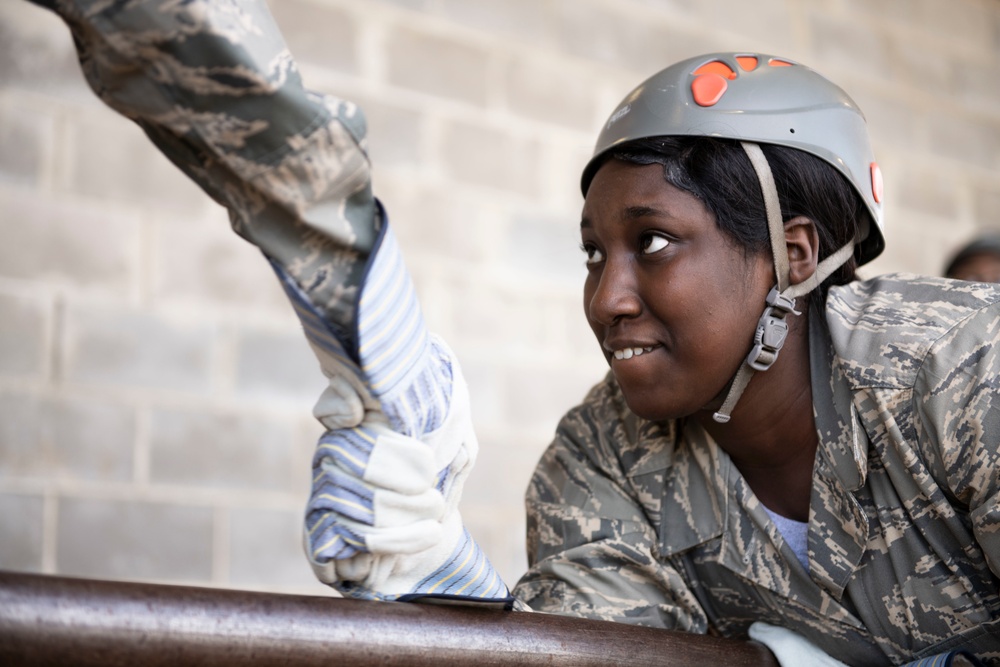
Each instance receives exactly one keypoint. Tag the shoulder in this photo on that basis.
(883, 329)
(605, 428)
(602, 435)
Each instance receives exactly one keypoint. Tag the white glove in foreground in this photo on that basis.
(791, 649)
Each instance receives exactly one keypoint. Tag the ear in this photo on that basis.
(802, 240)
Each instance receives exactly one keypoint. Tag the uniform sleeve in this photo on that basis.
(957, 401)
(216, 89)
(214, 86)
(591, 545)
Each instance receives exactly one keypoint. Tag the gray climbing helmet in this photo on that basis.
(754, 98)
(759, 99)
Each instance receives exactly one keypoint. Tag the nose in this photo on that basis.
(613, 294)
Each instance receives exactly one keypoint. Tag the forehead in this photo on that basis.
(620, 187)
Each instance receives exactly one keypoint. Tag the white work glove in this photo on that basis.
(383, 519)
(791, 649)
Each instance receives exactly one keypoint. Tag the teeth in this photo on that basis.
(630, 352)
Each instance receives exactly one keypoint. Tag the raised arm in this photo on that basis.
(215, 88)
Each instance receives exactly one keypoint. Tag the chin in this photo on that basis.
(653, 408)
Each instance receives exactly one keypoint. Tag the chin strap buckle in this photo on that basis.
(771, 330)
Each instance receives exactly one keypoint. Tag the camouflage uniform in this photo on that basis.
(652, 524)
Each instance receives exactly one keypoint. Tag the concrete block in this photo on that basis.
(485, 391)
(25, 140)
(550, 91)
(580, 343)
(266, 549)
(484, 314)
(972, 23)
(930, 192)
(564, 163)
(975, 86)
(120, 539)
(768, 25)
(278, 367)
(537, 396)
(394, 134)
(115, 346)
(23, 335)
(545, 247)
(227, 450)
(408, 4)
(851, 45)
(891, 122)
(525, 21)
(36, 51)
(597, 32)
(64, 241)
(967, 139)
(20, 417)
(318, 34)
(915, 69)
(986, 207)
(208, 262)
(112, 159)
(490, 157)
(21, 532)
(437, 65)
(65, 438)
(487, 487)
(448, 222)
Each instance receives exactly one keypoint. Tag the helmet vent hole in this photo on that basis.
(792, 130)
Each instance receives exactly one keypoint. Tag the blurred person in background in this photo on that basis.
(978, 261)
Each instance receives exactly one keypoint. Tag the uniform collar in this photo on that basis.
(706, 497)
(838, 528)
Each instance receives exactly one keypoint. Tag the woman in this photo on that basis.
(773, 443)
(851, 493)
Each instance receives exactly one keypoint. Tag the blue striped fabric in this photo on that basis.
(329, 539)
(467, 572)
(410, 375)
(946, 660)
(405, 368)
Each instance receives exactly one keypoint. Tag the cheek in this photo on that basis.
(588, 295)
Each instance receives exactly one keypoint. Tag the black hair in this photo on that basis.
(719, 173)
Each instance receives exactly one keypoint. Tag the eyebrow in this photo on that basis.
(633, 213)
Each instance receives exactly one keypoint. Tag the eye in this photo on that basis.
(594, 256)
(651, 243)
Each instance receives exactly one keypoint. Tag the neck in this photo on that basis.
(771, 437)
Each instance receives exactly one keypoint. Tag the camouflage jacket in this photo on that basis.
(652, 524)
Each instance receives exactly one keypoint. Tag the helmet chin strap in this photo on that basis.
(772, 328)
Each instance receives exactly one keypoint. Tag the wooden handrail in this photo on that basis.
(47, 620)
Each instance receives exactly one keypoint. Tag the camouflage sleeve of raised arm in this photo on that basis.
(216, 89)
(957, 401)
(591, 541)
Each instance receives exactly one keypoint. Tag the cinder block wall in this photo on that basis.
(155, 393)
